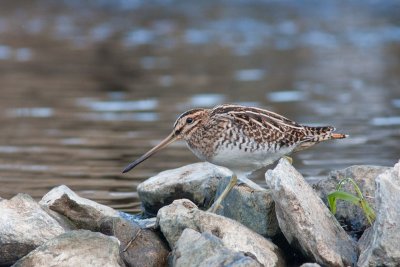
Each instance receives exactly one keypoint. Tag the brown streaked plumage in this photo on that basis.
(241, 138)
(212, 134)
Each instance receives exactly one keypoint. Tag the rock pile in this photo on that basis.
(64, 229)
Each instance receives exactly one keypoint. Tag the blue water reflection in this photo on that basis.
(195, 36)
(139, 37)
(385, 121)
(39, 112)
(396, 103)
(5, 52)
(249, 75)
(286, 96)
(23, 54)
(111, 116)
(18, 149)
(206, 100)
(115, 106)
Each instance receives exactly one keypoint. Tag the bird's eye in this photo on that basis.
(189, 120)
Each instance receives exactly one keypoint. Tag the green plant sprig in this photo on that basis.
(358, 200)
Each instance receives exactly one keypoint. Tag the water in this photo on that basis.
(87, 88)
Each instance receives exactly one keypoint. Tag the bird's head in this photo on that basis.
(188, 122)
(184, 127)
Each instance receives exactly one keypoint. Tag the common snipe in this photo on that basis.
(240, 138)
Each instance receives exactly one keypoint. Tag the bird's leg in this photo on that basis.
(290, 159)
(249, 183)
(226, 191)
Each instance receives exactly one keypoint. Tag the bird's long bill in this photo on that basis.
(170, 138)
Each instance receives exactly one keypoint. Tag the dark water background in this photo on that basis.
(88, 86)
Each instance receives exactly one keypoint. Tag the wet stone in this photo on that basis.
(81, 212)
(380, 244)
(205, 249)
(139, 247)
(181, 214)
(252, 208)
(24, 225)
(305, 221)
(75, 248)
(197, 182)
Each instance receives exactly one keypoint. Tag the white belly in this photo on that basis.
(245, 161)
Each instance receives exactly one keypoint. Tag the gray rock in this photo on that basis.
(348, 213)
(305, 221)
(82, 212)
(182, 214)
(197, 182)
(380, 245)
(252, 208)
(310, 265)
(61, 219)
(139, 247)
(203, 250)
(75, 248)
(364, 240)
(24, 225)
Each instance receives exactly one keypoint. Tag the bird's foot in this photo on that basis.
(290, 159)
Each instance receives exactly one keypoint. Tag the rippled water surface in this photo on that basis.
(87, 88)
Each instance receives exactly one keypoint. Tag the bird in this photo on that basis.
(240, 138)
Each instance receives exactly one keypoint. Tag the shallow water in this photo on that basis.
(87, 88)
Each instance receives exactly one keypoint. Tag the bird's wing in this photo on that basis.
(251, 115)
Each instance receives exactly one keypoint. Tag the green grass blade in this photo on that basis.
(358, 200)
(346, 197)
(332, 203)
(368, 211)
(334, 196)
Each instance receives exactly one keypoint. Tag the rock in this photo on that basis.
(139, 247)
(380, 245)
(252, 208)
(195, 249)
(364, 240)
(61, 219)
(351, 215)
(197, 182)
(75, 248)
(24, 225)
(183, 213)
(310, 265)
(82, 212)
(305, 221)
